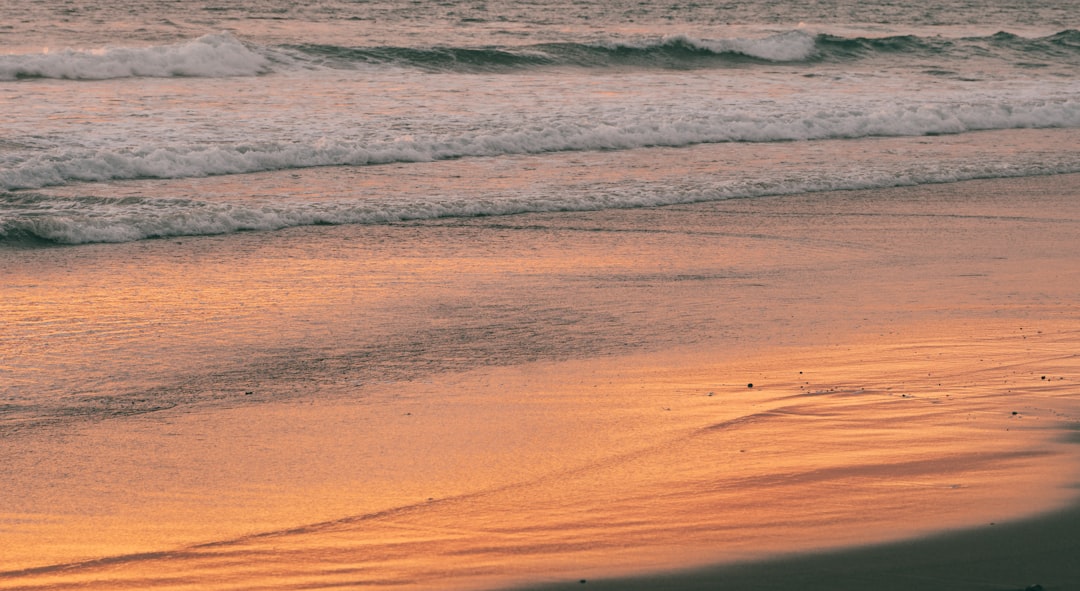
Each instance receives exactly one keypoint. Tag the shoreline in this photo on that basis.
(842, 502)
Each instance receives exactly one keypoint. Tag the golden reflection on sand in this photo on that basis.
(465, 404)
(567, 470)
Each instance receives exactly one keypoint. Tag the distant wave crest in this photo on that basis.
(676, 51)
(218, 55)
(686, 52)
(222, 55)
(1061, 45)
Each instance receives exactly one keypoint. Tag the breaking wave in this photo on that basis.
(679, 51)
(221, 55)
(213, 56)
(30, 219)
(60, 166)
(684, 52)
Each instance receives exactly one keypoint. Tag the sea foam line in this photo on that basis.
(80, 220)
(61, 166)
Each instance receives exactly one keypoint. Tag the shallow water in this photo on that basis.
(489, 401)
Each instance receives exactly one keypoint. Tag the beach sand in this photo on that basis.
(1040, 553)
(850, 390)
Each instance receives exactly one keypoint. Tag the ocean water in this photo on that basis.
(262, 280)
(147, 119)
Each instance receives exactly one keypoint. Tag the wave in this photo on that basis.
(32, 220)
(219, 55)
(678, 51)
(61, 166)
(1061, 45)
(684, 52)
(222, 55)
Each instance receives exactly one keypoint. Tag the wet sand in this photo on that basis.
(1038, 553)
(545, 398)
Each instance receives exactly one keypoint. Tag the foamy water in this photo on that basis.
(224, 92)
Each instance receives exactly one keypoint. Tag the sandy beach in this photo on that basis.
(846, 390)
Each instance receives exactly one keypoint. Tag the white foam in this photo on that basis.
(65, 165)
(83, 220)
(217, 55)
(792, 46)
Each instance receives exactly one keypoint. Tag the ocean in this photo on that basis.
(134, 121)
(351, 293)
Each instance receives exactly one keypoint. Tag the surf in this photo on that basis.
(86, 213)
(209, 56)
(65, 165)
(224, 55)
(684, 52)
